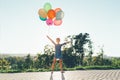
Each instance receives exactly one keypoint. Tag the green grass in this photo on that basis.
(96, 67)
(10, 71)
(66, 69)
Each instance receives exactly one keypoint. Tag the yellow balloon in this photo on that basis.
(42, 13)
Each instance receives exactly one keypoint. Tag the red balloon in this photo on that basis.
(57, 9)
(57, 22)
(51, 14)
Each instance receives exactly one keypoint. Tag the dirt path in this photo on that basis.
(69, 75)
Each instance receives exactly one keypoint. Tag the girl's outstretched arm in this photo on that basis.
(66, 42)
(51, 40)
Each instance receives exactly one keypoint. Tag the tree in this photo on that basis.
(4, 64)
(13, 62)
(48, 55)
(0, 64)
(20, 63)
(28, 62)
(48, 49)
(69, 57)
(36, 61)
(116, 61)
(80, 41)
(99, 60)
(90, 53)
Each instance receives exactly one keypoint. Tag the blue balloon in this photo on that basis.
(43, 19)
(59, 15)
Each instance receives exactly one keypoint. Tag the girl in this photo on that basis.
(58, 54)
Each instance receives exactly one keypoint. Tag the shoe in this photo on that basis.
(62, 71)
(51, 72)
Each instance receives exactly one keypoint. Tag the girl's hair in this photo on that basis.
(57, 39)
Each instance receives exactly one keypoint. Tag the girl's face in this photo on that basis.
(57, 40)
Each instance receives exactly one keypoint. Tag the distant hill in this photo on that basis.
(2, 55)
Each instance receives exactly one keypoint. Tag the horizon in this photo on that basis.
(25, 54)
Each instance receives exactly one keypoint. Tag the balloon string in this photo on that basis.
(48, 30)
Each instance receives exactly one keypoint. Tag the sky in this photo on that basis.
(21, 30)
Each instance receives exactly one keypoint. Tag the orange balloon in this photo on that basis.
(51, 14)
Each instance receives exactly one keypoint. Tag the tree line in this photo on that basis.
(78, 53)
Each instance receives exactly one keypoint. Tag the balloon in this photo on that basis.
(57, 22)
(42, 13)
(59, 15)
(57, 9)
(49, 22)
(43, 19)
(51, 14)
(47, 6)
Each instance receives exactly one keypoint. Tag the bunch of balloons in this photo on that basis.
(51, 16)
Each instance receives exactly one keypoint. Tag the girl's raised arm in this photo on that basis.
(51, 40)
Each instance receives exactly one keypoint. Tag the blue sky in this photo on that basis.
(21, 31)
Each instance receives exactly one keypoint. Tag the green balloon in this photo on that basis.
(47, 6)
(43, 19)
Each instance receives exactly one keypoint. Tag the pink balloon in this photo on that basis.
(57, 22)
(49, 22)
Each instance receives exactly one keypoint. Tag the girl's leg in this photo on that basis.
(53, 64)
(60, 62)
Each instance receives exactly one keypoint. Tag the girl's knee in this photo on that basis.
(54, 61)
(60, 61)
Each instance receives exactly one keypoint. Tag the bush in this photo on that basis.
(14, 71)
(42, 70)
(69, 69)
(96, 67)
(79, 68)
(10, 71)
(29, 70)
